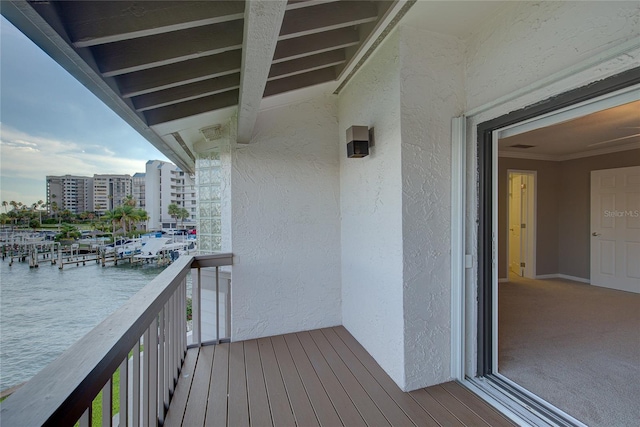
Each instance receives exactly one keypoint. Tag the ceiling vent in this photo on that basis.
(212, 133)
(523, 146)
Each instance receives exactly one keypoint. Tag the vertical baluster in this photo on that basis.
(196, 307)
(85, 419)
(124, 392)
(135, 406)
(170, 344)
(153, 372)
(227, 324)
(162, 387)
(174, 337)
(145, 378)
(217, 309)
(107, 403)
(182, 312)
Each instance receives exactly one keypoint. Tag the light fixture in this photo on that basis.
(358, 141)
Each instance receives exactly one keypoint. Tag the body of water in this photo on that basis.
(44, 310)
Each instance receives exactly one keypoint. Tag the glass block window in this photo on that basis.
(208, 207)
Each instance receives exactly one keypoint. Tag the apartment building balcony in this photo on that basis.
(168, 377)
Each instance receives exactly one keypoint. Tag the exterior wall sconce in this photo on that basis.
(358, 138)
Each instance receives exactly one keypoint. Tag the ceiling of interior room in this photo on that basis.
(613, 129)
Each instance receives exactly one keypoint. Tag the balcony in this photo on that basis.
(170, 377)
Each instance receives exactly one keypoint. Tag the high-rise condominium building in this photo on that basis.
(139, 186)
(167, 184)
(70, 192)
(110, 191)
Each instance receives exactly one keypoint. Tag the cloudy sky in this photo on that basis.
(52, 125)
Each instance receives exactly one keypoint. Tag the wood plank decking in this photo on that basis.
(317, 378)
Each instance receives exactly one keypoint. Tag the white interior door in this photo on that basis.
(615, 228)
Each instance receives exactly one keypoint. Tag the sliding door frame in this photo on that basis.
(487, 228)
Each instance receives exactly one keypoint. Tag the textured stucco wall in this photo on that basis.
(432, 92)
(532, 40)
(370, 201)
(285, 227)
(507, 55)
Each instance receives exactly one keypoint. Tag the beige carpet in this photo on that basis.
(575, 345)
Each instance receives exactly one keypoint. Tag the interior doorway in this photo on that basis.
(521, 220)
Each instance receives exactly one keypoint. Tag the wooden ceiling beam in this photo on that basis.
(174, 75)
(298, 4)
(299, 81)
(186, 92)
(306, 64)
(300, 47)
(263, 20)
(98, 22)
(326, 17)
(191, 108)
(169, 48)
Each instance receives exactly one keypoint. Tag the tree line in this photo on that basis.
(123, 218)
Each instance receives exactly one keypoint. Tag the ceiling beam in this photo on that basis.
(263, 19)
(298, 4)
(191, 108)
(306, 64)
(139, 54)
(93, 23)
(325, 17)
(299, 81)
(300, 47)
(181, 73)
(186, 92)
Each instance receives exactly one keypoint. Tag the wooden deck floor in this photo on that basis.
(317, 378)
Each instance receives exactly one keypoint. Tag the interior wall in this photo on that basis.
(371, 211)
(432, 92)
(574, 222)
(286, 222)
(563, 210)
(548, 194)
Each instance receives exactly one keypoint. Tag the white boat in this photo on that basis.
(165, 248)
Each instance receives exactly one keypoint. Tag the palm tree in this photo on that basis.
(4, 205)
(114, 216)
(129, 201)
(174, 211)
(143, 216)
(183, 214)
(128, 215)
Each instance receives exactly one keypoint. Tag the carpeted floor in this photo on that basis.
(575, 345)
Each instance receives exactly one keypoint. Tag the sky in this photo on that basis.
(50, 124)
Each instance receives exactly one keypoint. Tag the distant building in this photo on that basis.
(110, 191)
(70, 192)
(166, 184)
(139, 186)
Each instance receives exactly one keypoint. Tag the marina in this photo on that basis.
(45, 310)
(149, 248)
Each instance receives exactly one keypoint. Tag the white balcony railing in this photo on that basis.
(146, 340)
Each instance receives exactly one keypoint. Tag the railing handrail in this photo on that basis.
(61, 392)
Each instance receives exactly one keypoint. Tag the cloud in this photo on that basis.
(35, 157)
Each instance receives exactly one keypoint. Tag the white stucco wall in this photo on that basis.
(528, 41)
(508, 56)
(370, 201)
(285, 223)
(432, 92)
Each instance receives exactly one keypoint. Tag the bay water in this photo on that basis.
(44, 310)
